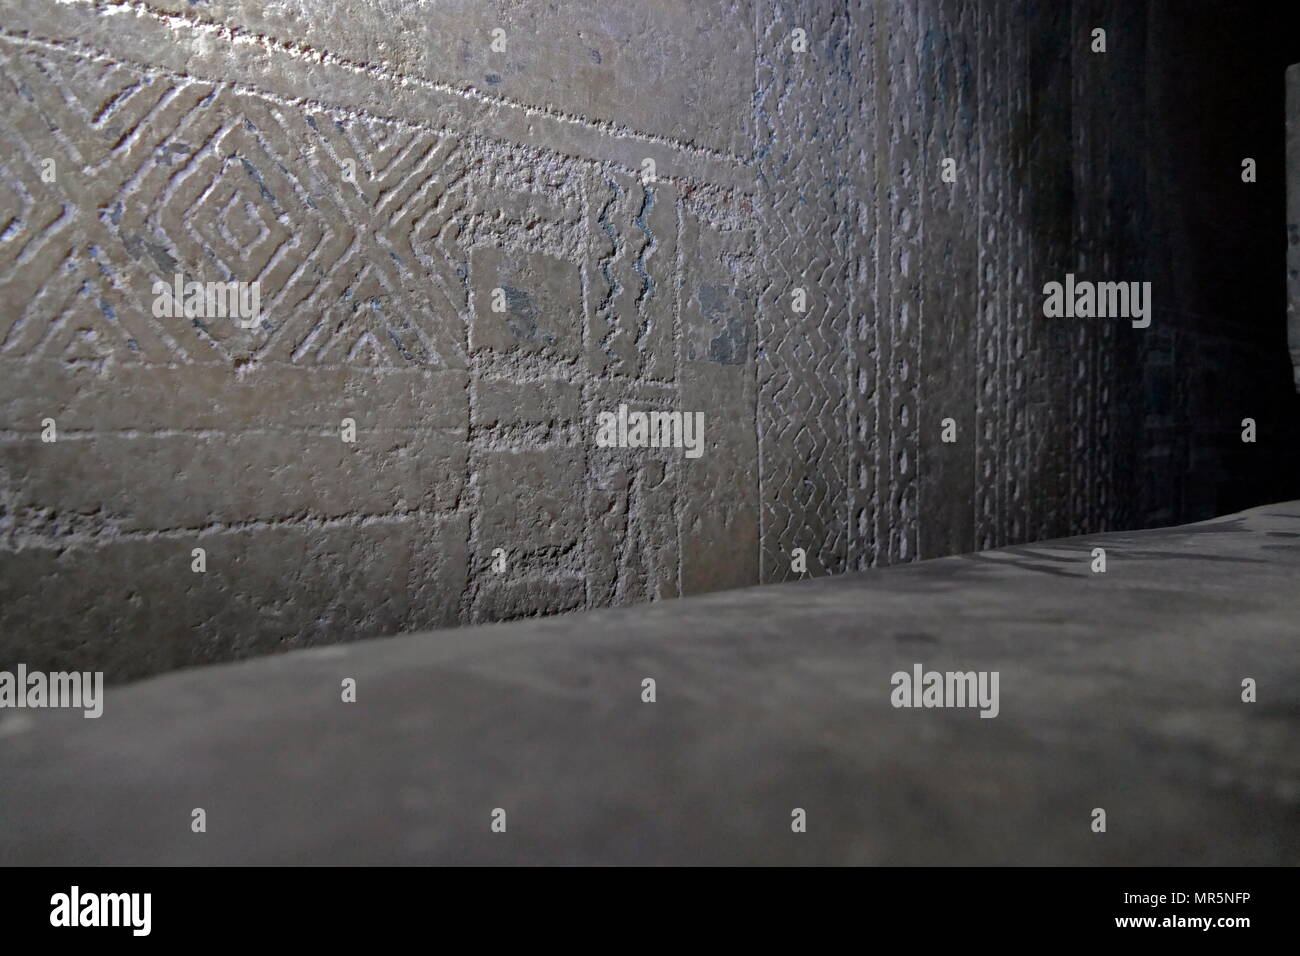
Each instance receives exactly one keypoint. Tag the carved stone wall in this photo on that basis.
(382, 169)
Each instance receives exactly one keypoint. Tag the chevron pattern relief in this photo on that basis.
(463, 259)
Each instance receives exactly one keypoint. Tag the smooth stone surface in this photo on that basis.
(1119, 690)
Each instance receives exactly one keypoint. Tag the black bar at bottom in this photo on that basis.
(334, 905)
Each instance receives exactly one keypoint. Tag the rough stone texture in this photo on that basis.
(1120, 690)
(217, 140)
